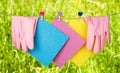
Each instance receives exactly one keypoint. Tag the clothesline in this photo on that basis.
(64, 18)
(77, 18)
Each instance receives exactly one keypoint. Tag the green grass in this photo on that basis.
(12, 60)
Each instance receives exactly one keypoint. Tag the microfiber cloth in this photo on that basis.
(83, 54)
(48, 41)
(74, 43)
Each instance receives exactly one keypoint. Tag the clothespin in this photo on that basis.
(59, 16)
(80, 14)
(42, 15)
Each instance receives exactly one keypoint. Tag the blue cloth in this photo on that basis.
(48, 41)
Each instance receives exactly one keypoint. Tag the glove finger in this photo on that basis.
(17, 31)
(90, 34)
(107, 28)
(24, 45)
(102, 41)
(97, 44)
(18, 41)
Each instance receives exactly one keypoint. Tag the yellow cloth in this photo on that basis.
(83, 54)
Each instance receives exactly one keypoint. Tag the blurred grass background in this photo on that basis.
(14, 61)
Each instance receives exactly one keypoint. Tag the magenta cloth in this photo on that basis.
(74, 43)
(98, 29)
(23, 30)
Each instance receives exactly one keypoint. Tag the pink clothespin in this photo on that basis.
(42, 15)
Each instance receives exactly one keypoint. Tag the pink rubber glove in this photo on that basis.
(98, 29)
(23, 30)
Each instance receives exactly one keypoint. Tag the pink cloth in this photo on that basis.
(23, 30)
(74, 43)
(98, 29)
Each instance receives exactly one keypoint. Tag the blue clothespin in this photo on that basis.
(80, 14)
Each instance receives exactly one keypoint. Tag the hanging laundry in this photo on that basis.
(23, 29)
(74, 43)
(83, 54)
(48, 42)
(98, 29)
